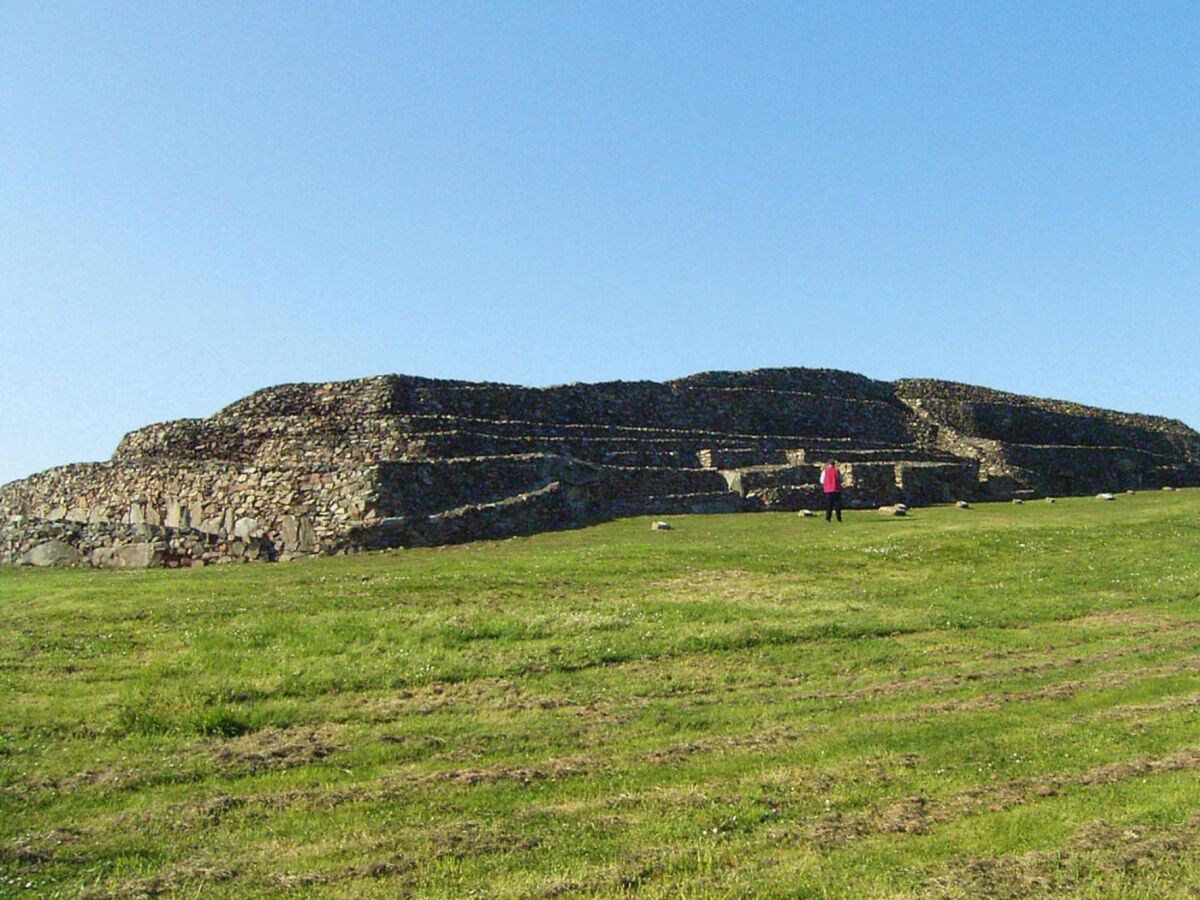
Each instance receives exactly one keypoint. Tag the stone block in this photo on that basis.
(52, 553)
(145, 555)
(178, 515)
(245, 528)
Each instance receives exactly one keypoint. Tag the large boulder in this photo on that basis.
(139, 556)
(245, 528)
(52, 553)
(298, 536)
(178, 515)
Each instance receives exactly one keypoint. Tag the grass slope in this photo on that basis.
(1001, 700)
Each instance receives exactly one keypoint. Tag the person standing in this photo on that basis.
(831, 484)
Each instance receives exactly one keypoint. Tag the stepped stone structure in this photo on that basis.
(307, 469)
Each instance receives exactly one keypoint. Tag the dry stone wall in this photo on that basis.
(210, 497)
(304, 469)
(41, 542)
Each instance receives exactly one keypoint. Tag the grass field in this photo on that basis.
(999, 701)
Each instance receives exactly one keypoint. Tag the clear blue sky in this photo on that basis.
(201, 199)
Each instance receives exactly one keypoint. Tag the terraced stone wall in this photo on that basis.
(1051, 446)
(1014, 419)
(385, 461)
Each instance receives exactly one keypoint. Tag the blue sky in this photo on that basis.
(198, 200)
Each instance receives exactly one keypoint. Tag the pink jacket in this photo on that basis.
(831, 480)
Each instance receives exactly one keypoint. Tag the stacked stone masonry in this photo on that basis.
(309, 469)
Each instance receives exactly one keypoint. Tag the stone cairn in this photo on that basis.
(313, 469)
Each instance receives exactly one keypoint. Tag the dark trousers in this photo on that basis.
(833, 501)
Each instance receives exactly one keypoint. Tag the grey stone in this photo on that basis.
(177, 516)
(53, 553)
(77, 514)
(245, 527)
(296, 532)
(306, 537)
(288, 531)
(146, 555)
(102, 557)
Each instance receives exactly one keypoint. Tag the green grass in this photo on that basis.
(999, 701)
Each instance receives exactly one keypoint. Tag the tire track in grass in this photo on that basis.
(512, 694)
(277, 749)
(1066, 690)
(1138, 710)
(427, 698)
(919, 814)
(1096, 853)
(1120, 621)
(957, 679)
